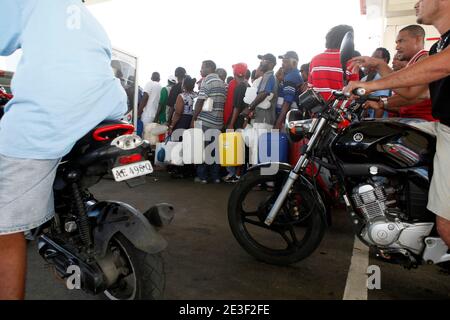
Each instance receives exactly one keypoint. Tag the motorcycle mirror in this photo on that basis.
(347, 51)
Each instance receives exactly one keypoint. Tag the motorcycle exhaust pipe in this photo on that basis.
(92, 277)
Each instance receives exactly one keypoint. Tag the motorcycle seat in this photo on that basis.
(102, 134)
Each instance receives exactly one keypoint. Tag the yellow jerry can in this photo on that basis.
(231, 149)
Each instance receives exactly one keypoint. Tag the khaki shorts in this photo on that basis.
(439, 196)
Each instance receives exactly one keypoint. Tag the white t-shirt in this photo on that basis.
(153, 89)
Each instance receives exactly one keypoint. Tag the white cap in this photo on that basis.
(172, 79)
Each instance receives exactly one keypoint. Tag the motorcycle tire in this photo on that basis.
(148, 270)
(315, 224)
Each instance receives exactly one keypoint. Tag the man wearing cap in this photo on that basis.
(289, 86)
(236, 121)
(239, 71)
(228, 109)
(162, 114)
(265, 118)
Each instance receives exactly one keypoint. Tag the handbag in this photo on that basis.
(266, 104)
(207, 105)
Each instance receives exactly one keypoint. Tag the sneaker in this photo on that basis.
(227, 178)
(234, 179)
(198, 180)
(217, 181)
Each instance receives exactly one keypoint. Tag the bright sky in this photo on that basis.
(165, 34)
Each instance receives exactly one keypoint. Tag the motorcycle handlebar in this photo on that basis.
(360, 92)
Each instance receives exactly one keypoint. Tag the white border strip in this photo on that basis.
(356, 286)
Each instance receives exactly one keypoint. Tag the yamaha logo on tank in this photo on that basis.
(358, 137)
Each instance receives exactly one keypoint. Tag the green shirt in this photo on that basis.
(163, 102)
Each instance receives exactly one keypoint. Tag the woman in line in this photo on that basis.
(181, 120)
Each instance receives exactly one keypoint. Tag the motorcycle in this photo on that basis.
(115, 248)
(383, 169)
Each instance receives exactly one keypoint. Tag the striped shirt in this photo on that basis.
(213, 87)
(326, 73)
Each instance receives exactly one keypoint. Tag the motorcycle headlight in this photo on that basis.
(311, 101)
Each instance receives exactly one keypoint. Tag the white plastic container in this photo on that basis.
(152, 131)
(173, 153)
(193, 146)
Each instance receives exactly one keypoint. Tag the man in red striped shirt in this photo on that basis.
(326, 73)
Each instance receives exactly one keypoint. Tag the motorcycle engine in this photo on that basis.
(372, 201)
(376, 202)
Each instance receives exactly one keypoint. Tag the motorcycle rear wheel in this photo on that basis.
(269, 248)
(145, 279)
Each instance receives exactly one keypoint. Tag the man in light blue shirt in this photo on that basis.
(63, 87)
(383, 54)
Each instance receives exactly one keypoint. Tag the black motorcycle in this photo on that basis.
(383, 169)
(115, 248)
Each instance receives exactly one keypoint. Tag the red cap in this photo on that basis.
(240, 69)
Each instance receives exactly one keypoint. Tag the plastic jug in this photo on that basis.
(231, 149)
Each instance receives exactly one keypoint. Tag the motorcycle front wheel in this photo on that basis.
(296, 232)
(142, 274)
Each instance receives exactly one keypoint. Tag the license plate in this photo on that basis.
(131, 171)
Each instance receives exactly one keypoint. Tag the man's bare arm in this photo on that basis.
(142, 105)
(415, 92)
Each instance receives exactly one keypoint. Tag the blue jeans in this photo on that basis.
(205, 171)
(140, 128)
(232, 170)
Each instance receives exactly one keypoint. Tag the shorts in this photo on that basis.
(26, 193)
(439, 195)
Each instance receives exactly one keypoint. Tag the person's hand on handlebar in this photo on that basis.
(351, 88)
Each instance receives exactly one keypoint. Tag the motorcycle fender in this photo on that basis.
(301, 182)
(117, 217)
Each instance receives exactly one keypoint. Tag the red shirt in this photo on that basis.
(228, 108)
(421, 110)
(326, 75)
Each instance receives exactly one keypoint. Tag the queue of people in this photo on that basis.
(262, 98)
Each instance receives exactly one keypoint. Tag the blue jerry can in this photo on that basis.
(273, 147)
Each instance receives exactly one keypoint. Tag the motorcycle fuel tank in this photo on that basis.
(390, 142)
